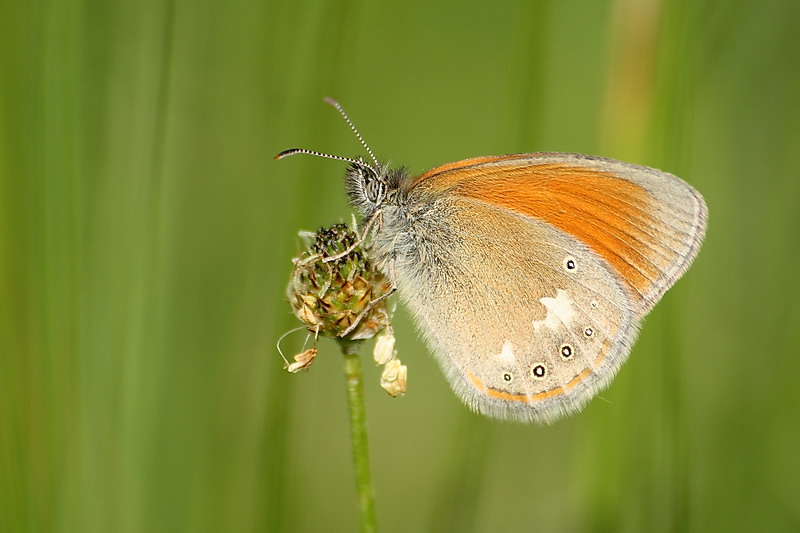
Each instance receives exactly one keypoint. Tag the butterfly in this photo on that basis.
(528, 275)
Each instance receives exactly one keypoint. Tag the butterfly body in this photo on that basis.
(528, 274)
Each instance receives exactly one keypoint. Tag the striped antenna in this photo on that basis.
(360, 162)
(338, 107)
(292, 151)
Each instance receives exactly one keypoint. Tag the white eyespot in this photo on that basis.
(539, 371)
(508, 377)
(570, 263)
(566, 351)
(594, 304)
(588, 332)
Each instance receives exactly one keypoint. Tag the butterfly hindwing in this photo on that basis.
(526, 322)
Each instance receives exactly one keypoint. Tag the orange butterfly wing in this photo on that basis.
(645, 223)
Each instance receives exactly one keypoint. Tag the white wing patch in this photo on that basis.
(506, 354)
(559, 311)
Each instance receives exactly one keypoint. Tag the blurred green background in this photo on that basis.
(146, 236)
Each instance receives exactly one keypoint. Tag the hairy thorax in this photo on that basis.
(415, 244)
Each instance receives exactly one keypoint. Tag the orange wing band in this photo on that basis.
(609, 214)
(539, 396)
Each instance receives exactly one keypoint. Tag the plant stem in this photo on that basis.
(358, 434)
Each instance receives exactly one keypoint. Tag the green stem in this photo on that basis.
(358, 434)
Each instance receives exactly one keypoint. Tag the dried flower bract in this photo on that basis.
(302, 360)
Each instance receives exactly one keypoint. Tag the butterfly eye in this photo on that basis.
(375, 189)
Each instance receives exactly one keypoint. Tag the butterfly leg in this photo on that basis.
(359, 241)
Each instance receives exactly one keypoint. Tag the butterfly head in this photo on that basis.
(371, 188)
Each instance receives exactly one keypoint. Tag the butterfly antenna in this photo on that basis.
(293, 151)
(338, 107)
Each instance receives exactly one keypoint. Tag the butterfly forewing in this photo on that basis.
(647, 225)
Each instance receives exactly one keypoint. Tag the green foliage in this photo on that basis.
(146, 236)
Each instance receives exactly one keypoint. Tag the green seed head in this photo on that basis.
(330, 296)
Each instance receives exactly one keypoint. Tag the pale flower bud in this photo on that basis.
(393, 379)
(384, 346)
